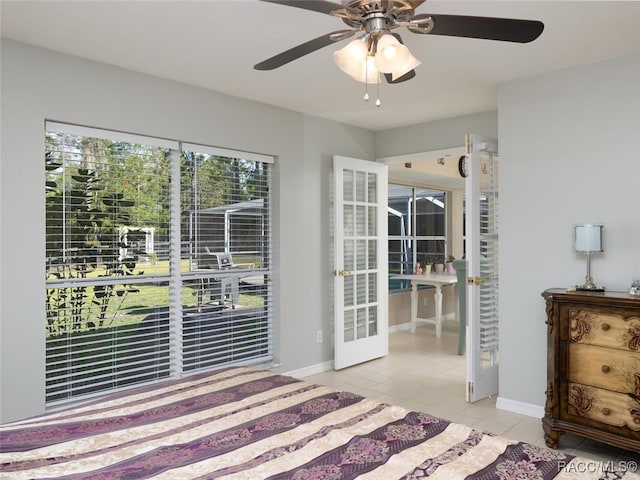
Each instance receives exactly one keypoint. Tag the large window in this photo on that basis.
(417, 228)
(157, 260)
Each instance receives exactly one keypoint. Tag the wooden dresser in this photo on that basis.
(593, 367)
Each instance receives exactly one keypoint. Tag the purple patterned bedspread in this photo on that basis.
(244, 423)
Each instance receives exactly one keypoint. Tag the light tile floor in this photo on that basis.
(424, 373)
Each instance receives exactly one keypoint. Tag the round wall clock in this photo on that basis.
(462, 166)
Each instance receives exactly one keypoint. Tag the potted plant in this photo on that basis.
(439, 265)
(427, 265)
(450, 270)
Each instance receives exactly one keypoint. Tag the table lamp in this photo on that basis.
(588, 239)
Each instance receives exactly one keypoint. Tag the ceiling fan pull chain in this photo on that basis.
(378, 102)
(366, 82)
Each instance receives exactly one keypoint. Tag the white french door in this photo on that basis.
(360, 261)
(482, 259)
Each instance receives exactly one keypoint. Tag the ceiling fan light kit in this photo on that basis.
(388, 56)
(378, 51)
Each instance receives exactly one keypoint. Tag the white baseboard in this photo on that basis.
(522, 408)
(424, 321)
(401, 327)
(310, 370)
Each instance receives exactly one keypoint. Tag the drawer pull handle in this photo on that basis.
(606, 368)
(606, 411)
(605, 326)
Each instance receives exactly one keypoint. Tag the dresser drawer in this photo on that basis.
(606, 368)
(610, 408)
(604, 329)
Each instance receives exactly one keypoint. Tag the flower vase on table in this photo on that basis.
(450, 270)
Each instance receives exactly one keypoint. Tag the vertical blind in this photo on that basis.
(489, 221)
(129, 299)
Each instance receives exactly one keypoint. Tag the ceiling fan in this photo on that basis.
(378, 49)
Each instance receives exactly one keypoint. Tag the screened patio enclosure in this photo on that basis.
(238, 229)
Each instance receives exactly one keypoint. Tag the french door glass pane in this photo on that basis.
(373, 320)
(348, 214)
(349, 327)
(373, 254)
(361, 254)
(372, 227)
(361, 220)
(361, 323)
(361, 186)
(361, 289)
(347, 185)
(372, 186)
(349, 294)
(349, 254)
(373, 287)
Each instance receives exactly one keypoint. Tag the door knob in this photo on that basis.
(341, 273)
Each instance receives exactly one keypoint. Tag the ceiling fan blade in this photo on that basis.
(490, 28)
(303, 49)
(407, 76)
(314, 5)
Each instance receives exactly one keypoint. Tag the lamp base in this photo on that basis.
(589, 285)
(583, 288)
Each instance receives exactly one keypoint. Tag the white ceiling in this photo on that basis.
(214, 44)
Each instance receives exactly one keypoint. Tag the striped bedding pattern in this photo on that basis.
(246, 423)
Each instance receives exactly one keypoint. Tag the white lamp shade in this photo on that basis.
(351, 58)
(367, 72)
(411, 63)
(588, 238)
(391, 55)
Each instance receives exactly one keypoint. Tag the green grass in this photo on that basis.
(135, 302)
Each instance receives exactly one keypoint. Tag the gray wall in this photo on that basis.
(437, 135)
(568, 155)
(38, 84)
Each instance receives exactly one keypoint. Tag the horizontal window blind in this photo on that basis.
(107, 203)
(226, 222)
(111, 277)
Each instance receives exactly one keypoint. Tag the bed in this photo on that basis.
(248, 423)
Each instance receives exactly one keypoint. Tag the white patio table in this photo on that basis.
(436, 280)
